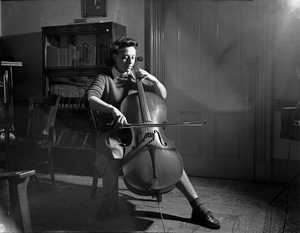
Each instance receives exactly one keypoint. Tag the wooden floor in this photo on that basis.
(269, 191)
(272, 189)
(239, 185)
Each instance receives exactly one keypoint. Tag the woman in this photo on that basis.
(105, 95)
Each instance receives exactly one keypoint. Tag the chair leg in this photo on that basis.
(29, 166)
(37, 181)
(52, 178)
(50, 165)
(95, 182)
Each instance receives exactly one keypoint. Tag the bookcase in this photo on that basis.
(73, 55)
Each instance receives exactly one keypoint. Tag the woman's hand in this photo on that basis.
(159, 87)
(99, 105)
(147, 76)
(119, 118)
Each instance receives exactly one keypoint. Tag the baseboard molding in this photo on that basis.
(283, 173)
(277, 172)
(263, 172)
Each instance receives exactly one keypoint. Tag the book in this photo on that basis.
(60, 138)
(71, 139)
(85, 140)
(89, 142)
(87, 20)
(83, 20)
(79, 140)
(68, 139)
(72, 51)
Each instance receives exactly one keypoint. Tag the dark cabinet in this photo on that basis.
(73, 55)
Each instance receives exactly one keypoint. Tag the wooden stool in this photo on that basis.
(18, 203)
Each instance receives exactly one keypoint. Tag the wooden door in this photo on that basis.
(209, 52)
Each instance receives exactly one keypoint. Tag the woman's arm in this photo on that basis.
(101, 106)
(159, 87)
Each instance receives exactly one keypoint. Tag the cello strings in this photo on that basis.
(147, 119)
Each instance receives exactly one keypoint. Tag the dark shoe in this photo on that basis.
(205, 218)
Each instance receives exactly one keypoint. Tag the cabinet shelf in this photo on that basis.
(72, 148)
(79, 46)
(69, 72)
(77, 50)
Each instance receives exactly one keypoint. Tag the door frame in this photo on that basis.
(154, 57)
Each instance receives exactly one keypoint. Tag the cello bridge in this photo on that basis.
(149, 135)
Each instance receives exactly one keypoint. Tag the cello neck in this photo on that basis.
(143, 102)
(146, 116)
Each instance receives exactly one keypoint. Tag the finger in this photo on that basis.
(143, 76)
(119, 120)
(116, 126)
(117, 123)
(124, 121)
(114, 121)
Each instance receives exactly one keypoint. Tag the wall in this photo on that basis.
(21, 31)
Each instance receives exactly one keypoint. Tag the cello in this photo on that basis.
(151, 163)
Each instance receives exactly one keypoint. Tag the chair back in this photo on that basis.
(95, 118)
(41, 115)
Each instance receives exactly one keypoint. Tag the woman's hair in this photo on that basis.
(119, 44)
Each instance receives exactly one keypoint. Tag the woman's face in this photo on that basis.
(125, 59)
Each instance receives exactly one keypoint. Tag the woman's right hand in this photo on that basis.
(119, 118)
(99, 105)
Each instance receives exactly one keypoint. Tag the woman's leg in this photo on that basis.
(109, 179)
(111, 175)
(186, 187)
(199, 215)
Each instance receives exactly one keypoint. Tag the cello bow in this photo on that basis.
(182, 124)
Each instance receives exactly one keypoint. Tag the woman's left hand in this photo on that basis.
(147, 76)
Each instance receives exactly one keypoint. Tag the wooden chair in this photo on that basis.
(95, 117)
(40, 135)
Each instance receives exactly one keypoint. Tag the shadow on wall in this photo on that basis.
(27, 48)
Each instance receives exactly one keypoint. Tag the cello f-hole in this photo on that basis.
(161, 142)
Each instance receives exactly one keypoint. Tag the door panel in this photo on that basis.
(206, 48)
